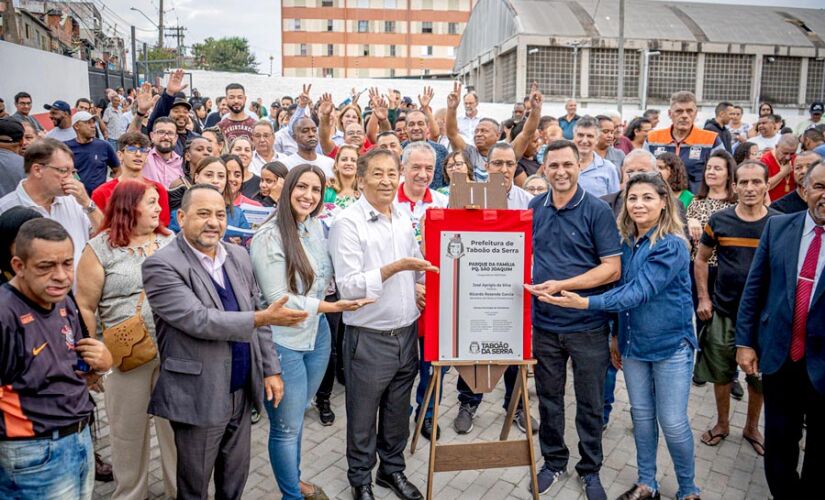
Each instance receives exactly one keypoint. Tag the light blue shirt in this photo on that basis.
(269, 266)
(601, 177)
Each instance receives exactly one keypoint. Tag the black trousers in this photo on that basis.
(590, 353)
(222, 448)
(380, 369)
(335, 367)
(790, 398)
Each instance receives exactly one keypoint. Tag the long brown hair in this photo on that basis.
(335, 183)
(669, 221)
(297, 262)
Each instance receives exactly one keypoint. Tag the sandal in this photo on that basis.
(713, 439)
(754, 443)
(315, 494)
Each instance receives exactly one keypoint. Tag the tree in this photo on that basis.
(225, 54)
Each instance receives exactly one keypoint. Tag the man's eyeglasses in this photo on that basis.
(137, 149)
(164, 133)
(536, 189)
(503, 163)
(62, 170)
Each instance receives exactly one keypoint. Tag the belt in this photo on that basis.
(395, 332)
(54, 434)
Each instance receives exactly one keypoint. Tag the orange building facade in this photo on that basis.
(371, 38)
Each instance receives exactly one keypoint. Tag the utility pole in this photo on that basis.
(620, 90)
(160, 24)
(177, 33)
(134, 61)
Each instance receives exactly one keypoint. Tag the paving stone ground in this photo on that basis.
(729, 471)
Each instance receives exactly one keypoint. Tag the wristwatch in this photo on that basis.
(91, 208)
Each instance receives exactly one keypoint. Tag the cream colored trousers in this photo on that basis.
(127, 400)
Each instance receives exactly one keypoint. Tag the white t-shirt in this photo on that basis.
(323, 162)
(62, 134)
(765, 142)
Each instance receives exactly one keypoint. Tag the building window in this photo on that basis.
(28, 33)
(671, 72)
(392, 72)
(426, 50)
(392, 50)
(780, 79)
(426, 72)
(728, 77)
(390, 4)
(389, 26)
(429, 50)
(426, 27)
(815, 76)
(327, 73)
(363, 26)
(363, 4)
(452, 28)
(330, 25)
(604, 73)
(365, 50)
(326, 3)
(303, 49)
(330, 49)
(552, 68)
(296, 24)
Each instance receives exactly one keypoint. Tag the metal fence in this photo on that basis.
(101, 79)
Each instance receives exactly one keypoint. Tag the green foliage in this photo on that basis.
(165, 55)
(225, 54)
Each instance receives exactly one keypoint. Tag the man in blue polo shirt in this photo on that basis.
(92, 157)
(575, 246)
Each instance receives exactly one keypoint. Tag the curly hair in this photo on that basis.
(678, 179)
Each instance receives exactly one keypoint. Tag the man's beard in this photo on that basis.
(164, 149)
(236, 109)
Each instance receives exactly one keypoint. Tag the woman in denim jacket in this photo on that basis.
(290, 257)
(654, 342)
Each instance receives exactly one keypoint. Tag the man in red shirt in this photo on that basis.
(780, 162)
(132, 148)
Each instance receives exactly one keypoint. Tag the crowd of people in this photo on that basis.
(203, 266)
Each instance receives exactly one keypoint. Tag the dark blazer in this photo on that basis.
(766, 310)
(194, 334)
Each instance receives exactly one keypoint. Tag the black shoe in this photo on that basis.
(698, 382)
(427, 430)
(103, 471)
(363, 492)
(326, 414)
(256, 417)
(398, 483)
(736, 391)
(639, 492)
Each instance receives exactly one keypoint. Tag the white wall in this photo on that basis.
(45, 75)
(212, 84)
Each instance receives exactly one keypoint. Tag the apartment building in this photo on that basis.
(371, 38)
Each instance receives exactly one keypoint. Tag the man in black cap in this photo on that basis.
(816, 110)
(11, 163)
(60, 113)
(173, 104)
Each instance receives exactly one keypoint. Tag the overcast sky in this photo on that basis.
(257, 20)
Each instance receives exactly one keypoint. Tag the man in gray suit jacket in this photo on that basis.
(216, 359)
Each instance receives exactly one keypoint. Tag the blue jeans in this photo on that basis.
(48, 468)
(658, 394)
(301, 372)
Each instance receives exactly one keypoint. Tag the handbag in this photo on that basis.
(129, 341)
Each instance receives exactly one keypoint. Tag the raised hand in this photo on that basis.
(326, 107)
(536, 99)
(175, 83)
(144, 98)
(425, 98)
(454, 97)
(379, 105)
(303, 98)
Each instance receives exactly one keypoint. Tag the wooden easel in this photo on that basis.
(480, 376)
(484, 455)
